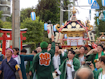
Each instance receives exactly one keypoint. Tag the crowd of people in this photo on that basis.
(50, 61)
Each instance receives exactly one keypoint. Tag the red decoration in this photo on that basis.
(94, 45)
(4, 38)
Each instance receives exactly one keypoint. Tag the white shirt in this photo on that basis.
(18, 59)
(69, 69)
(81, 59)
(101, 75)
(56, 63)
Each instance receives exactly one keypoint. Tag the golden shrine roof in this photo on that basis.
(74, 26)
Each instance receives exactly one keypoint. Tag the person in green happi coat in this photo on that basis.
(59, 56)
(29, 65)
(42, 62)
(81, 56)
(69, 66)
(100, 73)
(95, 54)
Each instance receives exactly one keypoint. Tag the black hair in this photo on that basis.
(24, 50)
(17, 49)
(72, 51)
(83, 47)
(90, 47)
(101, 45)
(59, 47)
(35, 51)
(104, 49)
(102, 58)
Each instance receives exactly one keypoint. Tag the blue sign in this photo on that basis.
(95, 5)
(90, 1)
(33, 16)
(45, 26)
(103, 2)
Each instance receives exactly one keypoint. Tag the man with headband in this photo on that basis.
(9, 66)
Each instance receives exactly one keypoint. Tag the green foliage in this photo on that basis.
(34, 30)
(50, 10)
(1, 23)
(7, 25)
(0, 14)
(25, 13)
(9, 19)
(101, 26)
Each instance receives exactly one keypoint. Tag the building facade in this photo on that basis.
(5, 7)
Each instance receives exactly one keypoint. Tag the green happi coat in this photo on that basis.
(28, 66)
(42, 63)
(77, 55)
(62, 68)
(92, 57)
(62, 58)
(96, 73)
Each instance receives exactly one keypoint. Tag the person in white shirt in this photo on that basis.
(69, 66)
(58, 58)
(16, 55)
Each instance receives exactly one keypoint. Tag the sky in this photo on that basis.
(28, 3)
(84, 11)
(82, 15)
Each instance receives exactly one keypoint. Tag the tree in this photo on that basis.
(25, 13)
(9, 19)
(35, 30)
(50, 10)
(1, 14)
(100, 27)
(1, 22)
(7, 25)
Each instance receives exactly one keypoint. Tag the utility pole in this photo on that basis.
(61, 12)
(15, 23)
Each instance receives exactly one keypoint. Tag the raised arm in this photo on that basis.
(52, 51)
(94, 51)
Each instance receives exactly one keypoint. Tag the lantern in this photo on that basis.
(33, 16)
(90, 1)
(54, 28)
(97, 14)
(65, 36)
(103, 2)
(45, 26)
